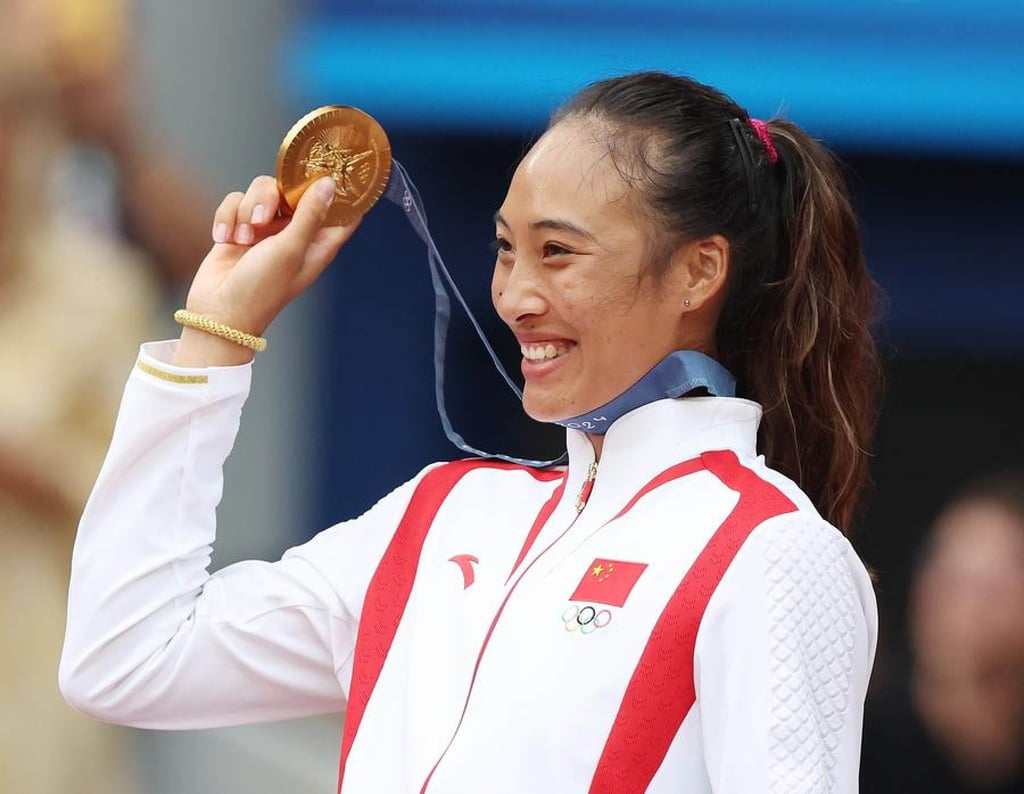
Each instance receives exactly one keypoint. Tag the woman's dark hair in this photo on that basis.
(795, 327)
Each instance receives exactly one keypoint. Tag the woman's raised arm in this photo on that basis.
(152, 638)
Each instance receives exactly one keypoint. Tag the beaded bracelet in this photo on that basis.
(201, 323)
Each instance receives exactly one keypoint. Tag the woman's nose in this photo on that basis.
(518, 294)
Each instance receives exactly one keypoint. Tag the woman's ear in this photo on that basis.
(703, 271)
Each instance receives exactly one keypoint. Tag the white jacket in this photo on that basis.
(696, 627)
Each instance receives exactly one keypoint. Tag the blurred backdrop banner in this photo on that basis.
(942, 75)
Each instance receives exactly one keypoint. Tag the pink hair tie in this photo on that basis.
(766, 138)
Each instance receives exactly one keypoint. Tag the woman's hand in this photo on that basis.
(259, 263)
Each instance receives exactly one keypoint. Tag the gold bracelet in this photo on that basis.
(201, 323)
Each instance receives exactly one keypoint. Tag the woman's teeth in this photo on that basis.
(541, 352)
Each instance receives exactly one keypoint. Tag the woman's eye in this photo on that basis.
(501, 245)
(554, 249)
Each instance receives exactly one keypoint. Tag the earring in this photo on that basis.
(686, 302)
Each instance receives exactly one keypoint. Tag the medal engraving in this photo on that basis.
(343, 143)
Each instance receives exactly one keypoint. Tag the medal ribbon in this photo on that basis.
(674, 376)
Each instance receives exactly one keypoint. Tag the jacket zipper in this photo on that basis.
(581, 502)
(587, 488)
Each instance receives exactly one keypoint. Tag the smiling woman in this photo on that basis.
(669, 612)
(590, 323)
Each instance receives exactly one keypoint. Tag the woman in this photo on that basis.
(667, 614)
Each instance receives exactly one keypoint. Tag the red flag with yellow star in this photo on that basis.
(608, 582)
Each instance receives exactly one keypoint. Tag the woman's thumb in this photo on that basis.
(310, 213)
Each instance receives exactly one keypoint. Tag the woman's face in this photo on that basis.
(569, 278)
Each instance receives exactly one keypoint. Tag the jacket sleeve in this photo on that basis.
(152, 639)
(783, 658)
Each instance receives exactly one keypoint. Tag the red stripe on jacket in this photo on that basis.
(538, 524)
(661, 691)
(392, 582)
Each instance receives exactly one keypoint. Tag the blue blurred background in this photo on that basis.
(891, 75)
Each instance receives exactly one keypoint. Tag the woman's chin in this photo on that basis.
(544, 410)
(542, 415)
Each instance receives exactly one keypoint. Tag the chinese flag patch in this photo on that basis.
(608, 582)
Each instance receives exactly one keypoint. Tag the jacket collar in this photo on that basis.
(655, 436)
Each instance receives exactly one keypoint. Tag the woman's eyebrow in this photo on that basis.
(558, 225)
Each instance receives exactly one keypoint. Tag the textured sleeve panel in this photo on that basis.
(812, 608)
(785, 653)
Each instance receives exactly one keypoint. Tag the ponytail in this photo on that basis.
(808, 356)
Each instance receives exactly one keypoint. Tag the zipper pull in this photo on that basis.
(588, 486)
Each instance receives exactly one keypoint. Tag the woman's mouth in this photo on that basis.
(543, 352)
(543, 358)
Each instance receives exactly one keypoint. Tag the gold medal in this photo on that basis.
(341, 142)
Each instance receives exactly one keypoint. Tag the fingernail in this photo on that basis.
(325, 190)
(220, 233)
(243, 233)
(259, 212)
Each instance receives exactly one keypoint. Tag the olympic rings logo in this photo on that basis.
(585, 619)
